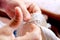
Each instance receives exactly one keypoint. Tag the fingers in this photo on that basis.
(13, 3)
(34, 8)
(16, 21)
(26, 14)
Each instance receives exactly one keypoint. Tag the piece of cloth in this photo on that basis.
(39, 19)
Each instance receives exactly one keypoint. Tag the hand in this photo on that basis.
(8, 6)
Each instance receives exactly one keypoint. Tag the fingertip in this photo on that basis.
(18, 11)
(27, 18)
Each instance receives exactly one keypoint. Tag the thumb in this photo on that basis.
(16, 21)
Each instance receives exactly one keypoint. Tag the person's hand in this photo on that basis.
(8, 6)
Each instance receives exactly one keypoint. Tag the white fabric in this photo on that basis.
(39, 19)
